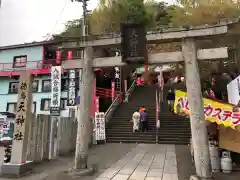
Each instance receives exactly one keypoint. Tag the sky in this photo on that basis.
(24, 21)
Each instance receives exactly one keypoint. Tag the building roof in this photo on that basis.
(32, 44)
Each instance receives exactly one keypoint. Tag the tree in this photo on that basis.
(106, 18)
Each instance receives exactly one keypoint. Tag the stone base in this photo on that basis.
(16, 170)
(194, 177)
(83, 172)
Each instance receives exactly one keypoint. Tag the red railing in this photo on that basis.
(106, 93)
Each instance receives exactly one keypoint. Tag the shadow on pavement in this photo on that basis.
(102, 155)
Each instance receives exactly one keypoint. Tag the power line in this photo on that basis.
(59, 17)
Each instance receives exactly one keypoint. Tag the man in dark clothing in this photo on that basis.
(144, 121)
(170, 99)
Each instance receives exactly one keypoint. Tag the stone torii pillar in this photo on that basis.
(83, 134)
(197, 119)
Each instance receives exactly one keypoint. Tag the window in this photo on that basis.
(63, 104)
(19, 61)
(35, 86)
(13, 87)
(11, 107)
(46, 85)
(45, 104)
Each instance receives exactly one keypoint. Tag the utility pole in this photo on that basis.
(83, 130)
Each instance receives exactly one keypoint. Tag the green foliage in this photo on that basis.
(110, 13)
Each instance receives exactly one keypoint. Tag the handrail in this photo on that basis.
(130, 90)
(112, 108)
(115, 103)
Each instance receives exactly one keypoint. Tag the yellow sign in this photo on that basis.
(214, 111)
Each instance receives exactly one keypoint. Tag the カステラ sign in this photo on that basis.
(214, 111)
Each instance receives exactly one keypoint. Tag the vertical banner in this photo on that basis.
(99, 122)
(58, 57)
(125, 86)
(56, 90)
(160, 81)
(97, 104)
(69, 55)
(157, 110)
(113, 91)
(156, 105)
(93, 106)
(72, 90)
(117, 78)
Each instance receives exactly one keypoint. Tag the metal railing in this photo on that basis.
(130, 90)
(112, 108)
(5, 67)
(116, 102)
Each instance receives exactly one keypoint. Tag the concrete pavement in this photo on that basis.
(145, 162)
(127, 161)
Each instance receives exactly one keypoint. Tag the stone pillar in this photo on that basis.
(197, 119)
(23, 116)
(30, 140)
(53, 132)
(60, 136)
(83, 133)
(38, 144)
(46, 137)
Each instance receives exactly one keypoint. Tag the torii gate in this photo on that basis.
(189, 55)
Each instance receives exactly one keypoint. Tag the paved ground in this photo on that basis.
(127, 161)
(104, 156)
(145, 162)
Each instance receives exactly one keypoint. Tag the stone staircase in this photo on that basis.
(173, 129)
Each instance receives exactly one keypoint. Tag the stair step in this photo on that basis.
(118, 122)
(160, 133)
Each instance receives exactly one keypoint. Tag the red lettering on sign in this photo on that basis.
(180, 100)
(208, 110)
(236, 118)
(226, 114)
(186, 105)
(217, 113)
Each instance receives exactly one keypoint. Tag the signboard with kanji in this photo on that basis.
(99, 122)
(214, 111)
(21, 114)
(133, 43)
(56, 90)
(72, 91)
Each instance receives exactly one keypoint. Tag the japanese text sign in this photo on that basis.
(99, 122)
(22, 107)
(133, 43)
(214, 111)
(71, 88)
(55, 89)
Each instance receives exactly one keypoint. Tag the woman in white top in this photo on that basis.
(136, 119)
